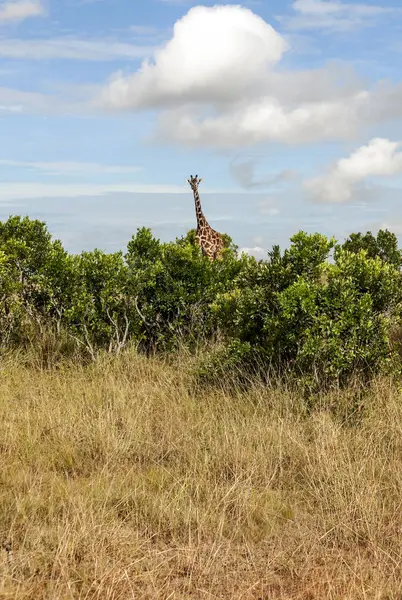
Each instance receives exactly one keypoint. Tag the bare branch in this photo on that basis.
(139, 312)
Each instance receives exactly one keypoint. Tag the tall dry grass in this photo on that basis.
(122, 480)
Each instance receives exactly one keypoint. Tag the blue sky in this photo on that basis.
(290, 111)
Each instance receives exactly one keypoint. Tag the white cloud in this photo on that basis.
(11, 108)
(68, 100)
(379, 158)
(256, 251)
(215, 54)
(66, 167)
(217, 85)
(325, 7)
(31, 190)
(16, 101)
(332, 15)
(266, 120)
(72, 48)
(19, 10)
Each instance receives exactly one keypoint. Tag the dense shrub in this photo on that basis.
(35, 278)
(322, 322)
(385, 246)
(322, 318)
(173, 286)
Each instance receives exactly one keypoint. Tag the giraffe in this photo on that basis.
(209, 240)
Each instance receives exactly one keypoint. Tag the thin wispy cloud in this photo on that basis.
(175, 1)
(243, 171)
(65, 168)
(72, 48)
(144, 30)
(268, 207)
(11, 108)
(332, 15)
(22, 190)
(68, 101)
(19, 10)
(15, 190)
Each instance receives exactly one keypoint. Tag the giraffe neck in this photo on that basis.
(201, 220)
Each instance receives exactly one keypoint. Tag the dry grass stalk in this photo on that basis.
(117, 481)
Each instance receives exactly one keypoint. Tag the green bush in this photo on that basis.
(319, 318)
(321, 322)
(173, 287)
(34, 278)
(384, 246)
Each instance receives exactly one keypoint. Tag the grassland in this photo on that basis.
(123, 480)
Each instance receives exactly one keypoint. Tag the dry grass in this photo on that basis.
(117, 481)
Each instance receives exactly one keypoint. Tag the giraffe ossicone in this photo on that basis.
(209, 240)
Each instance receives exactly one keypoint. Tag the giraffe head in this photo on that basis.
(194, 182)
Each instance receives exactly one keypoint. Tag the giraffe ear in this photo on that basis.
(199, 181)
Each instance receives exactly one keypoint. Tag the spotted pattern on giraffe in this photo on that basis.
(209, 240)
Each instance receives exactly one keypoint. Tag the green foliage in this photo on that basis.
(97, 309)
(33, 277)
(322, 322)
(385, 246)
(173, 286)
